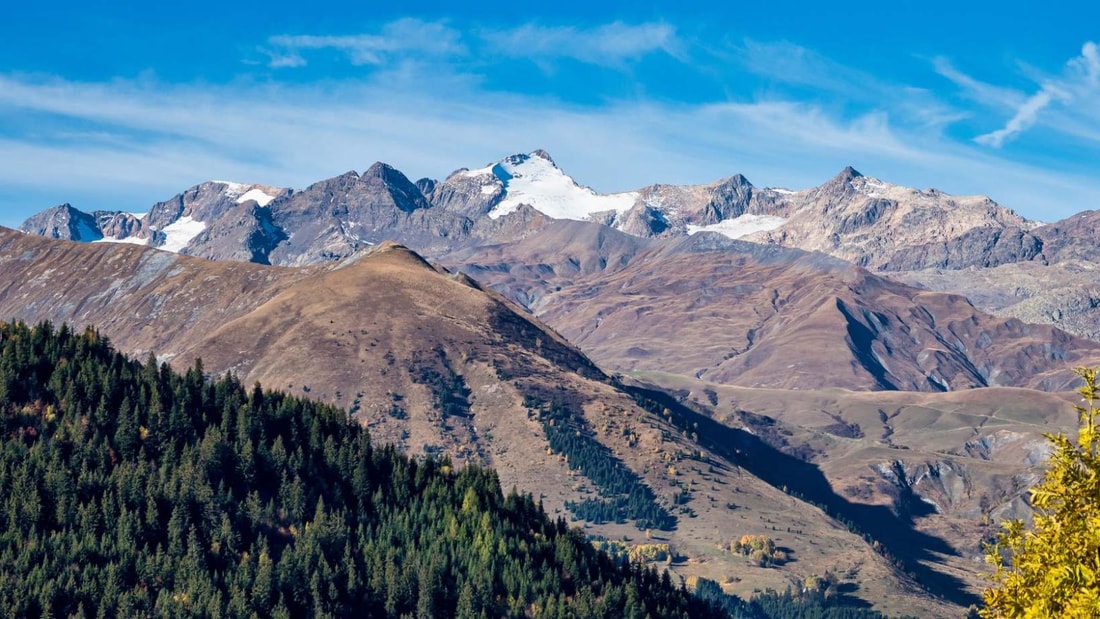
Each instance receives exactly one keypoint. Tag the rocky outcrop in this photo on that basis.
(1073, 238)
(121, 226)
(978, 247)
(463, 194)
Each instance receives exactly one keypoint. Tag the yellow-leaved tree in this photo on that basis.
(1053, 568)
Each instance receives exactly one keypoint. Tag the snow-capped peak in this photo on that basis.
(535, 180)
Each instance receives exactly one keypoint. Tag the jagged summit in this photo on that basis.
(380, 170)
(543, 154)
(849, 173)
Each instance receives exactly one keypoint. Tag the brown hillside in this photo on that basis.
(737, 313)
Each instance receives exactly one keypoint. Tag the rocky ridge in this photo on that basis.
(854, 217)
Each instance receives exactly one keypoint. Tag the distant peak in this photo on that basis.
(739, 180)
(543, 155)
(520, 159)
(379, 169)
(849, 173)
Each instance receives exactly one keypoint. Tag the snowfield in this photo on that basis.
(742, 226)
(180, 232)
(260, 197)
(130, 240)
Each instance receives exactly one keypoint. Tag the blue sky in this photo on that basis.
(121, 107)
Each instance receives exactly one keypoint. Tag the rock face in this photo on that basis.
(890, 228)
(121, 226)
(1060, 286)
(335, 218)
(1073, 238)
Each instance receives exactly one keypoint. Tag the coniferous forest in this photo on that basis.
(132, 490)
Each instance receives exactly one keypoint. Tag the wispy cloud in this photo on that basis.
(829, 82)
(1066, 102)
(398, 39)
(608, 45)
(427, 106)
(604, 45)
(976, 90)
(160, 138)
(1025, 116)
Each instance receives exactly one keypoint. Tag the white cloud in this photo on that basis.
(986, 94)
(1025, 116)
(836, 84)
(1076, 89)
(397, 39)
(608, 45)
(605, 45)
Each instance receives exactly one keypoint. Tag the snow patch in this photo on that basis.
(260, 197)
(233, 190)
(741, 226)
(781, 191)
(488, 190)
(130, 240)
(244, 192)
(180, 232)
(486, 171)
(870, 187)
(537, 182)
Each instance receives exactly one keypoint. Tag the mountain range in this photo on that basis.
(965, 244)
(862, 371)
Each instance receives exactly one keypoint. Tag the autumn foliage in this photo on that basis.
(1053, 568)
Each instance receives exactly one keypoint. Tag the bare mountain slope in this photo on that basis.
(951, 464)
(744, 314)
